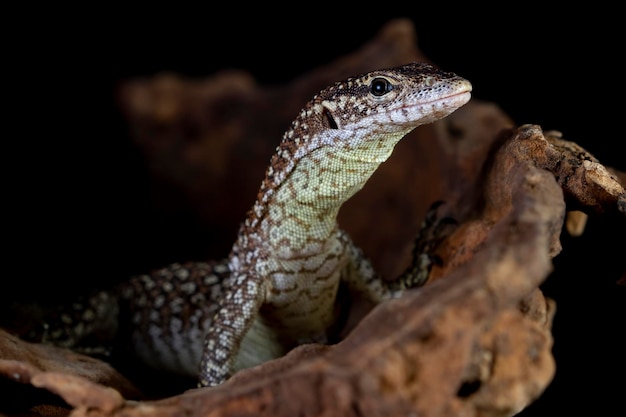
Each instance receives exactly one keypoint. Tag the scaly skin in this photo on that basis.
(280, 285)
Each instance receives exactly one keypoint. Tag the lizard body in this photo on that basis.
(281, 285)
(290, 255)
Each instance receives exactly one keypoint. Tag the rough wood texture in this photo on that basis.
(25, 367)
(475, 341)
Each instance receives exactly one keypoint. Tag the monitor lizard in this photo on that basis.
(280, 285)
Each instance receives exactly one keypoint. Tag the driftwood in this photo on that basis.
(474, 341)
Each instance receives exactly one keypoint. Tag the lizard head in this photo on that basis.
(364, 117)
(392, 100)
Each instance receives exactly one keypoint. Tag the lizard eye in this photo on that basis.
(380, 86)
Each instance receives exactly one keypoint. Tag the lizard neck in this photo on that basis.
(296, 211)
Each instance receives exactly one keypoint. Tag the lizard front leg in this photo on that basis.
(361, 276)
(238, 309)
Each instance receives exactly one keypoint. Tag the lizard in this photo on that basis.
(281, 285)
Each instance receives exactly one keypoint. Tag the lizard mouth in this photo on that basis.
(453, 100)
(426, 112)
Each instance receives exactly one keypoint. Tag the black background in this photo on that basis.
(77, 192)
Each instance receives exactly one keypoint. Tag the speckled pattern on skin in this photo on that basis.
(279, 286)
